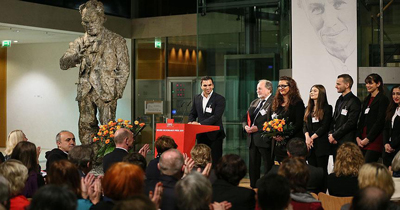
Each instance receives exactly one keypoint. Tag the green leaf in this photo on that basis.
(109, 149)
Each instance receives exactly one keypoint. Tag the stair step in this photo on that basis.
(393, 64)
(396, 57)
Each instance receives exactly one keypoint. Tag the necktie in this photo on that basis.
(260, 105)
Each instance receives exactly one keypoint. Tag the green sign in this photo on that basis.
(157, 43)
(6, 43)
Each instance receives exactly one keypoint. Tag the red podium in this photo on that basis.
(183, 134)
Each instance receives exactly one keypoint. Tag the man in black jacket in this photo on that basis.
(65, 142)
(345, 117)
(123, 142)
(258, 113)
(208, 107)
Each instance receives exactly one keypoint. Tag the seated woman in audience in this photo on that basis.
(13, 138)
(287, 105)
(121, 181)
(295, 170)
(201, 155)
(16, 174)
(137, 202)
(52, 197)
(25, 152)
(372, 119)
(230, 170)
(391, 132)
(343, 181)
(82, 156)
(63, 172)
(396, 177)
(317, 120)
(377, 175)
(273, 192)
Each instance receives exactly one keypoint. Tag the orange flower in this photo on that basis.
(111, 132)
(280, 129)
(111, 135)
(99, 133)
(112, 128)
(120, 120)
(118, 127)
(141, 124)
(268, 129)
(265, 127)
(105, 132)
(275, 127)
(136, 122)
(95, 139)
(110, 123)
(130, 126)
(127, 121)
(107, 141)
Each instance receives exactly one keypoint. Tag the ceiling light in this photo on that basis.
(15, 41)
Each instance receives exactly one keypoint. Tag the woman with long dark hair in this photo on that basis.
(25, 152)
(391, 133)
(372, 119)
(317, 120)
(287, 105)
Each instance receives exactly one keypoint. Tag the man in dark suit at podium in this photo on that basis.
(208, 107)
(259, 147)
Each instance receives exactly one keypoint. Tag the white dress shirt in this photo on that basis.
(205, 100)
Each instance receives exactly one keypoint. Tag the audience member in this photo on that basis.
(372, 119)
(4, 193)
(25, 152)
(171, 166)
(123, 142)
(13, 138)
(343, 181)
(287, 105)
(162, 144)
(65, 142)
(391, 132)
(201, 155)
(137, 202)
(370, 198)
(396, 177)
(377, 175)
(317, 120)
(52, 197)
(295, 170)
(273, 192)
(82, 156)
(16, 174)
(137, 159)
(230, 170)
(298, 148)
(121, 181)
(345, 117)
(63, 172)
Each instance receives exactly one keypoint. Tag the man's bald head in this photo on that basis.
(171, 162)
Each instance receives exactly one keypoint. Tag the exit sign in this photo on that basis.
(157, 43)
(6, 43)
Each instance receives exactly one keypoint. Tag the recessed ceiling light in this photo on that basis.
(15, 41)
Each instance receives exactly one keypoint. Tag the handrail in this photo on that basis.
(385, 7)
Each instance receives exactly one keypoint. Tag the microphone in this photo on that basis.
(186, 109)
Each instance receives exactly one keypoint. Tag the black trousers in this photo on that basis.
(255, 155)
(320, 162)
(371, 156)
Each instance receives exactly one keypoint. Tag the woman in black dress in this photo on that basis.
(287, 105)
(317, 120)
(372, 119)
(391, 133)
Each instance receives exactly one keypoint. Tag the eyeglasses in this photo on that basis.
(283, 86)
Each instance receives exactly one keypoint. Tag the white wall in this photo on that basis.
(41, 96)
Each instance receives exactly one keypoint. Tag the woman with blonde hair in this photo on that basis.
(14, 137)
(376, 175)
(343, 181)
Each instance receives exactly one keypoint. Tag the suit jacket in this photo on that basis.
(392, 133)
(113, 157)
(241, 198)
(259, 121)
(105, 68)
(344, 126)
(54, 155)
(316, 181)
(217, 104)
(375, 119)
(321, 144)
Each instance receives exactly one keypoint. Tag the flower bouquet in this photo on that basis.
(105, 137)
(277, 127)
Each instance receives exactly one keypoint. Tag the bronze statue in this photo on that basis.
(103, 62)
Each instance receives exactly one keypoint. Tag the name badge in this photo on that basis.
(366, 110)
(344, 112)
(274, 116)
(315, 120)
(208, 109)
(263, 112)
